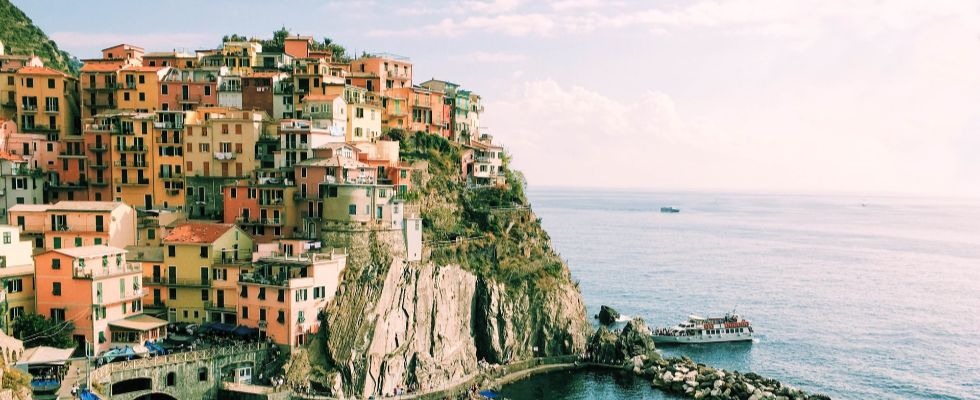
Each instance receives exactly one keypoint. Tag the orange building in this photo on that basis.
(101, 293)
(47, 101)
(424, 110)
(381, 72)
(187, 89)
(264, 208)
(139, 88)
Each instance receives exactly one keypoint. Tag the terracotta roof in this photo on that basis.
(100, 67)
(39, 71)
(124, 45)
(197, 232)
(141, 322)
(29, 207)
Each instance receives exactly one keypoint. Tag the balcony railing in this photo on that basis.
(259, 221)
(119, 181)
(229, 88)
(100, 183)
(169, 140)
(99, 165)
(95, 271)
(209, 305)
(29, 108)
(42, 128)
(168, 125)
(24, 171)
(132, 148)
(173, 281)
(171, 175)
(224, 155)
(130, 164)
(262, 279)
(98, 148)
(101, 128)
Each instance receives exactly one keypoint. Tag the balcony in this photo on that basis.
(98, 148)
(211, 306)
(99, 165)
(68, 185)
(131, 149)
(107, 269)
(173, 192)
(111, 128)
(29, 108)
(229, 88)
(130, 85)
(170, 140)
(175, 282)
(131, 164)
(9, 103)
(69, 154)
(99, 183)
(24, 171)
(224, 155)
(171, 175)
(230, 257)
(168, 125)
(136, 293)
(119, 181)
(259, 221)
(262, 279)
(39, 128)
(271, 202)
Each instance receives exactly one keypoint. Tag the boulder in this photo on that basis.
(607, 315)
(635, 339)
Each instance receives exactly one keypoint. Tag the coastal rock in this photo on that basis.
(635, 339)
(607, 315)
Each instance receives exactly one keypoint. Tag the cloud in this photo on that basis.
(491, 7)
(493, 57)
(87, 44)
(568, 135)
(507, 24)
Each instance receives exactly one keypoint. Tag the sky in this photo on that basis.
(863, 97)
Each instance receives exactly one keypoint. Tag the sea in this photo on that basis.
(855, 297)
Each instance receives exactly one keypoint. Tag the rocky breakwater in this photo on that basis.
(632, 349)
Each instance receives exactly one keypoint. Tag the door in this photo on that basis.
(204, 276)
(172, 273)
(221, 298)
(148, 201)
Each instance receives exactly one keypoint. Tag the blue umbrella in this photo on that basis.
(490, 394)
(87, 395)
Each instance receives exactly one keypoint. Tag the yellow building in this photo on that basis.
(240, 56)
(9, 64)
(46, 101)
(220, 148)
(139, 88)
(198, 277)
(364, 112)
(17, 273)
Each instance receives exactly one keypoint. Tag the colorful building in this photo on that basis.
(381, 72)
(47, 101)
(99, 291)
(284, 293)
(17, 273)
(201, 262)
(139, 88)
(264, 208)
(187, 89)
(69, 224)
(220, 148)
(19, 184)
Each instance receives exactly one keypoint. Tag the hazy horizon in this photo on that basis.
(743, 95)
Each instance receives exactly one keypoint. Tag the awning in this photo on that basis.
(245, 331)
(45, 355)
(140, 323)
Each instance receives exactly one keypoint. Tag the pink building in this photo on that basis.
(76, 223)
(381, 72)
(284, 291)
(101, 293)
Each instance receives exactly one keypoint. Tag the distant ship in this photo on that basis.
(670, 210)
(730, 328)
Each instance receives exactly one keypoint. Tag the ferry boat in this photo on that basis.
(669, 210)
(730, 328)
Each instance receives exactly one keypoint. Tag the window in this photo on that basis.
(56, 288)
(224, 129)
(171, 379)
(151, 234)
(233, 192)
(207, 90)
(56, 263)
(202, 374)
(282, 295)
(51, 83)
(163, 89)
(125, 96)
(142, 95)
(282, 317)
(6, 238)
(244, 293)
(204, 251)
(238, 129)
(15, 285)
(172, 251)
(360, 112)
(261, 293)
(352, 209)
(261, 314)
(16, 312)
(172, 293)
(78, 241)
(3, 261)
(245, 312)
(29, 82)
(204, 294)
(142, 79)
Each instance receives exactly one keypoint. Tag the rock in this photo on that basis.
(718, 383)
(607, 315)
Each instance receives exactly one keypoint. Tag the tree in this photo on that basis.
(35, 330)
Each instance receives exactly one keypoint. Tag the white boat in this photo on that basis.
(730, 328)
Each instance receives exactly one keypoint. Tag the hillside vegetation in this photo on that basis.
(20, 36)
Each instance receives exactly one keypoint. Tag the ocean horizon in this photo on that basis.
(851, 296)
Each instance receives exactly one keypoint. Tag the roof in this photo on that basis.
(79, 205)
(100, 67)
(333, 162)
(145, 253)
(142, 69)
(321, 97)
(141, 322)
(123, 45)
(197, 232)
(158, 54)
(89, 251)
(45, 355)
(263, 74)
(40, 71)
(30, 207)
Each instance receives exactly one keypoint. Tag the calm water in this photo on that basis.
(880, 301)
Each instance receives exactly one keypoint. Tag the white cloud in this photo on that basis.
(159, 41)
(491, 7)
(493, 57)
(507, 24)
(573, 136)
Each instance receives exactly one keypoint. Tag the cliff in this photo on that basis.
(489, 287)
(20, 36)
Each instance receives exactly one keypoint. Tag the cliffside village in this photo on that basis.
(194, 187)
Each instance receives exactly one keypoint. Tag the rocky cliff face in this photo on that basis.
(426, 326)
(489, 287)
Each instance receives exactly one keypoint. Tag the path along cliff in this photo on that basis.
(489, 287)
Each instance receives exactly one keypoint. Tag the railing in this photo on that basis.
(99, 183)
(119, 181)
(224, 155)
(258, 221)
(31, 108)
(68, 185)
(130, 164)
(130, 85)
(52, 110)
(168, 125)
(101, 128)
(106, 270)
(229, 88)
(103, 373)
(40, 128)
(172, 175)
(99, 165)
(209, 305)
(173, 281)
(170, 140)
(133, 148)
(228, 257)
(23, 171)
(98, 148)
(263, 279)
(128, 296)
(277, 201)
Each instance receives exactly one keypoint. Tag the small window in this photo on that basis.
(51, 83)
(172, 293)
(56, 263)
(56, 288)
(202, 374)
(172, 251)
(352, 209)
(245, 312)
(204, 251)
(171, 379)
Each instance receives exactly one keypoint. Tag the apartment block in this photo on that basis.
(68, 224)
(17, 273)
